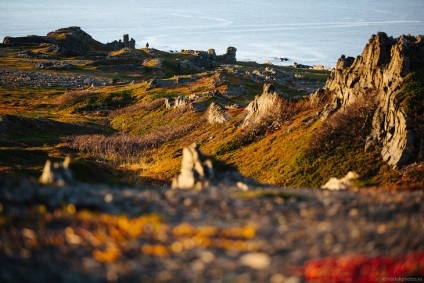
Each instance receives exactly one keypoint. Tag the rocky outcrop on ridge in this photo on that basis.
(208, 59)
(70, 39)
(380, 73)
(216, 114)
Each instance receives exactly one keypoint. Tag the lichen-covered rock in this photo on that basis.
(261, 105)
(196, 170)
(215, 114)
(380, 72)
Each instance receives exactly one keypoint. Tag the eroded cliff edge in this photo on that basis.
(383, 75)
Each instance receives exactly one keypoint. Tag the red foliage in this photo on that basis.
(360, 268)
(235, 111)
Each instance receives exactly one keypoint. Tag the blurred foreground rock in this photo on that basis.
(196, 170)
(57, 174)
(344, 183)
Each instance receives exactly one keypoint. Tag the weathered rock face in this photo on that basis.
(261, 105)
(71, 39)
(380, 72)
(216, 114)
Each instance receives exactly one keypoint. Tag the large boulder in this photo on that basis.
(380, 73)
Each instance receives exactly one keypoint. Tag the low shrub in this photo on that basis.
(351, 125)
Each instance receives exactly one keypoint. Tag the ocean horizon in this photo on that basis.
(307, 32)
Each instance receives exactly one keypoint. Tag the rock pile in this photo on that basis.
(381, 71)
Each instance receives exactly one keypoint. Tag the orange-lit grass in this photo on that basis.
(110, 237)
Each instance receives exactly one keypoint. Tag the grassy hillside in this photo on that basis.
(125, 128)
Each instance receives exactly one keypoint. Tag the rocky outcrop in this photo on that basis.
(208, 59)
(199, 172)
(261, 106)
(380, 73)
(229, 57)
(216, 114)
(70, 39)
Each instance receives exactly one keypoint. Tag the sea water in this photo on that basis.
(305, 31)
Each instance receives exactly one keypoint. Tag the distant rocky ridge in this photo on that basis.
(380, 72)
(70, 39)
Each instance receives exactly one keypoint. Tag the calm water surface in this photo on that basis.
(306, 31)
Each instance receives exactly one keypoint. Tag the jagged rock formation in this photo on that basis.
(262, 105)
(215, 114)
(380, 72)
(70, 39)
(196, 170)
(56, 174)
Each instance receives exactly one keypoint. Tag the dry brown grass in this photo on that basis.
(352, 126)
(143, 106)
(125, 148)
(72, 95)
